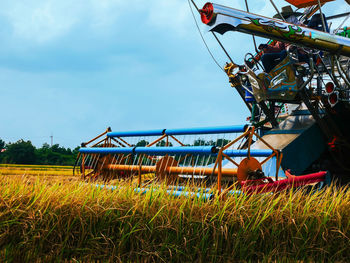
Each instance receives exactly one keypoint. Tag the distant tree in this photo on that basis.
(45, 146)
(2, 150)
(201, 142)
(2, 144)
(76, 151)
(20, 152)
(56, 155)
(221, 142)
(23, 152)
(163, 143)
(142, 143)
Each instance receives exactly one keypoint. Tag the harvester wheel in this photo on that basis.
(247, 168)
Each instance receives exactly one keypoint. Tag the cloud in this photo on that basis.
(40, 21)
(171, 15)
(76, 67)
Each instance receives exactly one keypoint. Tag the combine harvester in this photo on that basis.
(300, 113)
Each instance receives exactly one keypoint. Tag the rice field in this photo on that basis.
(44, 219)
(42, 172)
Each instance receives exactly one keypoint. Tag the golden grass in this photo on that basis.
(73, 220)
(36, 170)
(30, 166)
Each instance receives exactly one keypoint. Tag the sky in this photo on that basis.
(71, 69)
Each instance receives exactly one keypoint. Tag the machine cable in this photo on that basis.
(217, 39)
(211, 54)
(341, 25)
(322, 18)
(278, 12)
(205, 43)
(247, 7)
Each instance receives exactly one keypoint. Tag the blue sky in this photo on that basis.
(73, 68)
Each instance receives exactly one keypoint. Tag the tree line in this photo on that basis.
(24, 152)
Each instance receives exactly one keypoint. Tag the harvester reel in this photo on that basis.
(249, 169)
(101, 171)
(96, 173)
(161, 169)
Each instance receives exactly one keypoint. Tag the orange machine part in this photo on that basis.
(247, 165)
(306, 3)
(173, 169)
(162, 165)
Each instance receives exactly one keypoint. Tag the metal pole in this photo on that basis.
(83, 166)
(219, 172)
(222, 47)
(247, 7)
(278, 12)
(322, 18)
(195, 5)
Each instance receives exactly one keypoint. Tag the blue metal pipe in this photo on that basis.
(182, 188)
(205, 190)
(197, 150)
(136, 133)
(184, 131)
(159, 151)
(112, 150)
(207, 130)
(110, 187)
(177, 193)
(204, 196)
(253, 153)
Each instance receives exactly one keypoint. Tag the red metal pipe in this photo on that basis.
(294, 181)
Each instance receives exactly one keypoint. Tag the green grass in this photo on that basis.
(75, 221)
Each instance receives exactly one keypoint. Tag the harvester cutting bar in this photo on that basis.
(186, 131)
(161, 151)
(222, 19)
(173, 170)
(292, 181)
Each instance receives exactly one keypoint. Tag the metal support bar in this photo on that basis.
(173, 169)
(83, 166)
(342, 74)
(315, 114)
(269, 113)
(278, 12)
(175, 139)
(220, 171)
(108, 130)
(120, 144)
(322, 18)
(124, 141)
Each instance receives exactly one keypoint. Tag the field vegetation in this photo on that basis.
(24, 152)
(53, 220)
